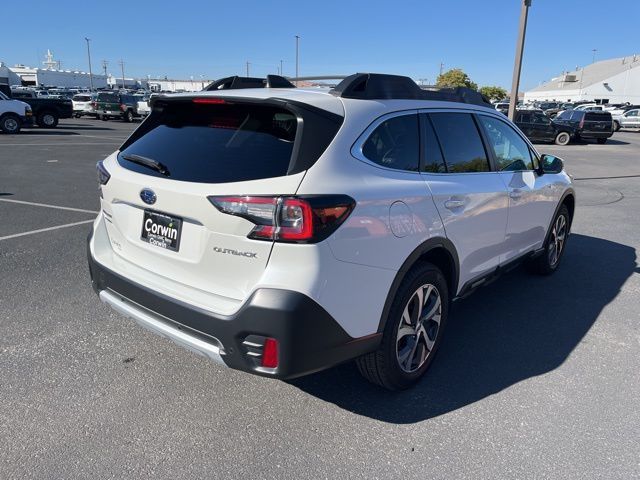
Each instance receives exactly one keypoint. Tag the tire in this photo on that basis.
(601, 141)
(47, 120)
(104, 118)
(77, 115)
(410, 341)
(548, 262)
(10, 124)
(128, 116)
(563, 138)
(616, 126)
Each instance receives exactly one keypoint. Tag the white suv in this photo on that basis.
(280, 231)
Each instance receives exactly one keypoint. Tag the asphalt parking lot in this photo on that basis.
(537, 377)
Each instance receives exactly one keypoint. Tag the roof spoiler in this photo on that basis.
(236, 82)
(378, 86)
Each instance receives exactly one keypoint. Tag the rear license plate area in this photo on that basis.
(161, 230)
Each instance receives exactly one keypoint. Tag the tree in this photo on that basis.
(455, 78)
(493, 92)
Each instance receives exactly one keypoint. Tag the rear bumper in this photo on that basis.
(595, 134)
(309, 339)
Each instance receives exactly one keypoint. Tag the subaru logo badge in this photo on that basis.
(148, 196)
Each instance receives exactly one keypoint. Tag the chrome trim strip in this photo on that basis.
(156, 324)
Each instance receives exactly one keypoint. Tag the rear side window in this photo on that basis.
(460, 141)
(577, 115)
(395, 143)
(215, 143)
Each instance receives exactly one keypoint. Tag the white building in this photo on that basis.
(44, 77)
(7, 77)
(157, 85)
(611, 81)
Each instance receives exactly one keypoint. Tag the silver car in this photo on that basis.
(629, 119)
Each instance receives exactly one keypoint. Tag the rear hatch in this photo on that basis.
(107, 102)
(174, 201)
(596, 121)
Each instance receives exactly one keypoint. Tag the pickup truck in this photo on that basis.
(46, 111)
(13, 114)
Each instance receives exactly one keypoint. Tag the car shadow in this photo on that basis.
(516, 328)
(47, 132)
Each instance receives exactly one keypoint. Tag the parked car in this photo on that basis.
(630, 119)
(538, 127)
(83, 105)
(46, 111)
(283, 232)
(116, 105)
(143, 108)
(14, 114)
(623, 109)
(588, 125)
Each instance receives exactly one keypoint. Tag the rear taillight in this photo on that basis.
(94, 104)
(103, 174)
(581, 124)
(306, 219)
(123, 107)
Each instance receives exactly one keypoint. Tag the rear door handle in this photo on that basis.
(452, 204)
(516, 193)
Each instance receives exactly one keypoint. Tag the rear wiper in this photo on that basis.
(147, 162)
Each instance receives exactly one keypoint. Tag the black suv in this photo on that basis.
(587, 125)
(540, 128)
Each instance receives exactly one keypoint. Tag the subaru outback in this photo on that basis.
(281, 231)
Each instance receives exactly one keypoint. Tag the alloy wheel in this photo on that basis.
(557, 239)
(418, 329)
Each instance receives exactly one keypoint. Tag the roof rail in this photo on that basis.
(378, 86)
(236, 82)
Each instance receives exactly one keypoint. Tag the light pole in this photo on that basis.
(281, 71)
(517, 66)
(248, 68)
(89, 56)
(297, 56)
(121, 62)
(594, 55)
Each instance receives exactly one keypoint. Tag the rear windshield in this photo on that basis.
(108, 97)
(597, 116)
(212, 143)
(82, 98)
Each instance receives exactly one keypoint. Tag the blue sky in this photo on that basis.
(215, 39)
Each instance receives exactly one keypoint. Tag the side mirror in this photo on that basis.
(551, 164)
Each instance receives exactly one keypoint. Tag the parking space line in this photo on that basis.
(45, 229)
(46, 205)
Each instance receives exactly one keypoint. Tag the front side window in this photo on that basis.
(511, 151)
(461, 143)
(395, 143)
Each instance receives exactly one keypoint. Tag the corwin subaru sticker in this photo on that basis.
(148, 196)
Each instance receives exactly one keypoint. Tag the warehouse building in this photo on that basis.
(609, 81)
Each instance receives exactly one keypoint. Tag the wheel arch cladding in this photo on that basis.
(440, 252)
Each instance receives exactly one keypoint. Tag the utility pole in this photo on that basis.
(594, 55)
(297, 56)
(248, 68)
(104, 67)
(281, 71)
(89, 56)
(517, 66)
(441, 67)
(121, 63)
